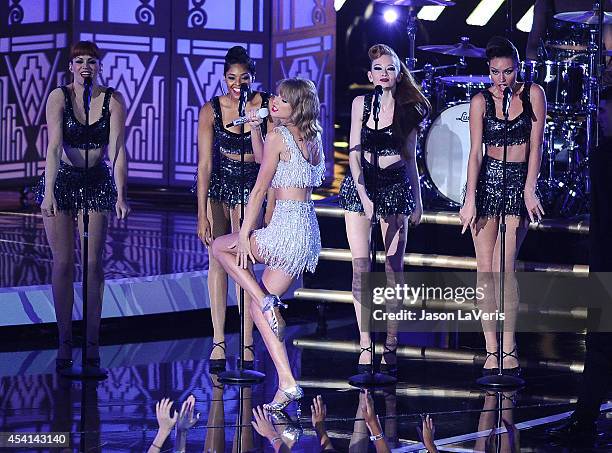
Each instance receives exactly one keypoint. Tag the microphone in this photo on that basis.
(376, 103)
(244, 94)
(87, 83)
(506, 101)
(261, 114)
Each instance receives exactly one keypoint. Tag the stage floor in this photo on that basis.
(118, 414)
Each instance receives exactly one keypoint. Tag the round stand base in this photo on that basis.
(241, 377)
(77, 372)
(501, 382)
(368, 380)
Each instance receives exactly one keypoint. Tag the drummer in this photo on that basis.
(563, 40)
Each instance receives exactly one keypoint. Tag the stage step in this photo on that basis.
(452, 219)
(457, 262)
(346, 297)
(433, 354)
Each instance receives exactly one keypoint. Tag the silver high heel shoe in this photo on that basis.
(276, 322)
(291, 394)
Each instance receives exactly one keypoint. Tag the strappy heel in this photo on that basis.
(514, 371)
(491, 371)
(389, 368)
(291, 394)
(64, 364)
(365, 367)
(93, 362)
(273, 304)
(249, 364)
(216, 365)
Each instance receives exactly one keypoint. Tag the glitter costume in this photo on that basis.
(225, 177)
(393, 186)
(489, 186)
(70, 182)
(292, 242)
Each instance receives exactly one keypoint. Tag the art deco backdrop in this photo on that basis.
(166, 57)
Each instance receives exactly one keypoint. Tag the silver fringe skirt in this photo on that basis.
(291, 242)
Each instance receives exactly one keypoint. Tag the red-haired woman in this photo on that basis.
(61, 190)
(403, 107)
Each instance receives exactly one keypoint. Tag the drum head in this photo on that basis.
(447, 149)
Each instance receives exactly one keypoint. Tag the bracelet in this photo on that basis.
(377, 437)
(156, 446)
(274, 439)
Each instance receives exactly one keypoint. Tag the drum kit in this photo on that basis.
(566, 70)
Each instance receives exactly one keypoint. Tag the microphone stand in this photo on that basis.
(501, 380)
(241, 376)
(85, 371)
(373, 379)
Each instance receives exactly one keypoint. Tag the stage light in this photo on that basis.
(390, 15)
(526, 21)
(430, 12)
(483, 12)
(339, 4)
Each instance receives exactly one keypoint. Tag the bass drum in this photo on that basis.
(447, 149)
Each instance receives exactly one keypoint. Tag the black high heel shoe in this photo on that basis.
(365, 367)
(249, 364)
(389, 368)
(491, 371)
(93, 362)
(514, 371)
(217, 365)
(64, 364)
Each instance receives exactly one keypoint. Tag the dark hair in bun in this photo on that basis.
(239, 55)
(499, 47)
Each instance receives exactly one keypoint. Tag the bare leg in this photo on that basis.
(358, 235)
(484, 235)
(98, 226)
(219, 219)
(60, 235)
(395, 235)
(274, 282)
(248, 321)
(516, 230)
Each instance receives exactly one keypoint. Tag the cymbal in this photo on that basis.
(416, 3)
(462, 49)
(567, 46)
(583, 17)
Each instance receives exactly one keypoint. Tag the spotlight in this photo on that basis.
(390, 15)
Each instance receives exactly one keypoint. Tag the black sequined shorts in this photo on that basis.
(394, 191)
(70, 186)
(225, 181)
(489, 188)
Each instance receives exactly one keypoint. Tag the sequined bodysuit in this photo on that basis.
(519, 128)
(77, 135)
(392, 184)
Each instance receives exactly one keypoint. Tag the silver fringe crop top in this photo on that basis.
(519, 128)
(297, 171)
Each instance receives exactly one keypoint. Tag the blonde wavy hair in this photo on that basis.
(301, 94)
